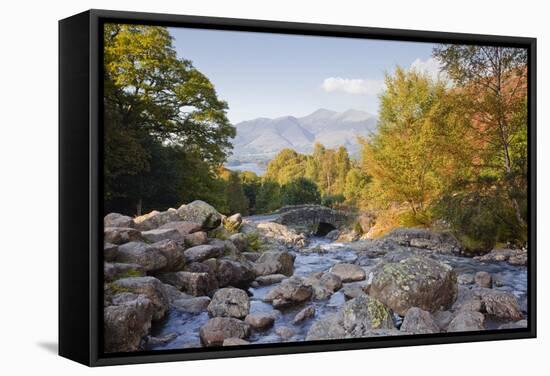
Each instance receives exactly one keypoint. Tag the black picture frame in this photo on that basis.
(80, 186)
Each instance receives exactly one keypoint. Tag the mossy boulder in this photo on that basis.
(414, 281)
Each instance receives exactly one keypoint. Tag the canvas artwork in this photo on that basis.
(262, 188)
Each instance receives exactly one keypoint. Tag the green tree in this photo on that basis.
(154, 99)
(494, 84)
(286, 166)
(235, 197)
(268, 198)
(300, 191)
(356, 185)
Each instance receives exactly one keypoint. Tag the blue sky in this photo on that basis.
(271, 75)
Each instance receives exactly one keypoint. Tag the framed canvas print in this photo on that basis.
(236, 187)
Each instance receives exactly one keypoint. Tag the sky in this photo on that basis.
(272, 75)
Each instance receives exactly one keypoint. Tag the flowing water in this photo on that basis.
(321, 255)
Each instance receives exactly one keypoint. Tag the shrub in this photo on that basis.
(254, 241)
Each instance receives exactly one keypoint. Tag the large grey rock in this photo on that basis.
(512, 256)
(229, 302)
(466, 321)
(418, 321)
(414, 282)
(289, 292)
(157, 235)
(202, 213)
(174, 253)
(148, 256)
(348, 272)
(195, 284)
(113, 271)
(218, 329)
(234, 273)
(285, 332)
(260, 320)
(195, 239)
(274, 263)
(120, 235)
(110, 251)
(183, 227)
(323, 284)
(441, 242)
(155, 219)
(358, 318)
(126, 324)
(500, 305)
(483, 279)
(192, 305)
(304, 314)
(149, 287)
(270, 279)
(202, 252)
(117, 220)
(240, 240)
(281, 234)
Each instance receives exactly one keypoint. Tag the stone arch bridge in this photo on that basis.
(313, 219)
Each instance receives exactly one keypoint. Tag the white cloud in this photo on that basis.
(430, 67)
(352, 85)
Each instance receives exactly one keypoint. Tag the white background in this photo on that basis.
(28, 211)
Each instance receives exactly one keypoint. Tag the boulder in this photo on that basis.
(229, 302)
(282, 234)
(284, 332)
(291, 291)
(120, 235)
(352, 291)
(195, 239)
(512, 256)
(234, 273)
(235, 342)
(333, 235)
(148, 256)
(467, 321)
(218, 329)
(358, 318)
(110, 251)
(270, 279)
(271, 262)
(195, 284)
(304, 314)
(260, 320)
(323, 284)
(183, 227)
(155, 219)
(418, 321)
(202, 213)
(202, 252)
(240, 240)
(414, 282)
(500, 305)
(362, 314)
(348, 272)
(157, 235)
(483, 279)
(173, 252)
(192, 304)
(149, 287)
(441, 242)
(125, 325)
(113, 271)
(155, 341)
(117, 220)
(234, 221)
(442, 319)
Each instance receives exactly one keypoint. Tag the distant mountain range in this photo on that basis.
(262, 138)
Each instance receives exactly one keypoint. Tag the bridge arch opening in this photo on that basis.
(324, 228)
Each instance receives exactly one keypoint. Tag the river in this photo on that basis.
(186, 326)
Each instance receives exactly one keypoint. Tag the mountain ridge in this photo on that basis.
(264, 137)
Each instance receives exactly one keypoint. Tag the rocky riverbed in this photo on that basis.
(172, 282)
